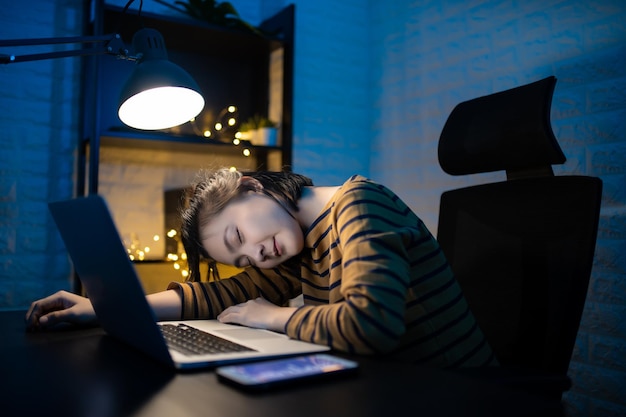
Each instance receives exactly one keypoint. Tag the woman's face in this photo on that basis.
(252, 230)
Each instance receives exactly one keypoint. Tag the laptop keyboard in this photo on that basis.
(191, 341)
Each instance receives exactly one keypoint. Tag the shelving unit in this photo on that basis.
(232, 68)
(252, 72)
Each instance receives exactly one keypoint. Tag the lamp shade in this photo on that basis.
(159, 94)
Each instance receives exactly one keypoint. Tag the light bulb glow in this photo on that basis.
(161, 108)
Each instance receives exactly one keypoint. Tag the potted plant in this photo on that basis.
(259, 130)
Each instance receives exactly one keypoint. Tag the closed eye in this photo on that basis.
(243, 261)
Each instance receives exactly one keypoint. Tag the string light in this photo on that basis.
(180, 258)
(138, 253)
(225, 126)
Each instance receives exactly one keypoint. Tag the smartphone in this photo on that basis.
(258, 376)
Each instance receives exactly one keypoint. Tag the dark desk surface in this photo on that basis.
(83, 372)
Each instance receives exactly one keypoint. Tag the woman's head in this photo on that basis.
(242, 219)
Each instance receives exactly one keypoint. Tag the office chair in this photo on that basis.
(521, 249)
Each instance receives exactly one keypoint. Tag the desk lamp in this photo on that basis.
(158, 94)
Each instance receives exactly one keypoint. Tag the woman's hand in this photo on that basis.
(258, 313)
(61, 307)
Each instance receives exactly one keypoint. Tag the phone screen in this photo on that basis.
(263, 375)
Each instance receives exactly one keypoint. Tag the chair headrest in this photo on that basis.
(509, 130)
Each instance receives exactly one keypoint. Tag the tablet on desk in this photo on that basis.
(259, 376)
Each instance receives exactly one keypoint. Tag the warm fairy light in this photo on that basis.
(176, 257)
(184, 273)
(137, 252)
(236, 141)
(156, 238)
(238, 135)
(223, 125)
(232, 169)
(246, 152)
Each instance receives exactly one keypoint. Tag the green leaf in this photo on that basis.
(226, 8)
(217, 13)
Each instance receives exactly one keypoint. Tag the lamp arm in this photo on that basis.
(114, 46)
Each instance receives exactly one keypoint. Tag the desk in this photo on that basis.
(83, 372)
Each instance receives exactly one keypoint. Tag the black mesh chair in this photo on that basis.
(521, 249)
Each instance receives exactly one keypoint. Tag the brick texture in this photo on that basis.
(430, 55)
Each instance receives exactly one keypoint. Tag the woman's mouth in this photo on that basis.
(276, 248)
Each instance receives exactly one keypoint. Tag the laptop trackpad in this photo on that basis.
(248, 334)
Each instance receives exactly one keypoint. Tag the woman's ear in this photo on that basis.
(250, 184)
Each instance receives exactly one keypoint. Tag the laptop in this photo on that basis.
(113, 286)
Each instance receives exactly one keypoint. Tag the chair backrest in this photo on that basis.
(522, 249)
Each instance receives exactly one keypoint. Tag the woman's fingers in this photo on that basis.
(59, 307)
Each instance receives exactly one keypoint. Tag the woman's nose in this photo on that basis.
(258, 253)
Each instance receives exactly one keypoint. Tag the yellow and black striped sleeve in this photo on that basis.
(364, 255)
(206, 300)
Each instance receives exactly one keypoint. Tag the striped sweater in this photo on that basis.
(373, 280)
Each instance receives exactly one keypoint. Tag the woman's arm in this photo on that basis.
(167, 305)
(258, 313)
(364, 243)
(207, 300)
(66, 307)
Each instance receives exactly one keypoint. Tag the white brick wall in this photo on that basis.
(38, 136)
(375, 82)
(332, 103)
